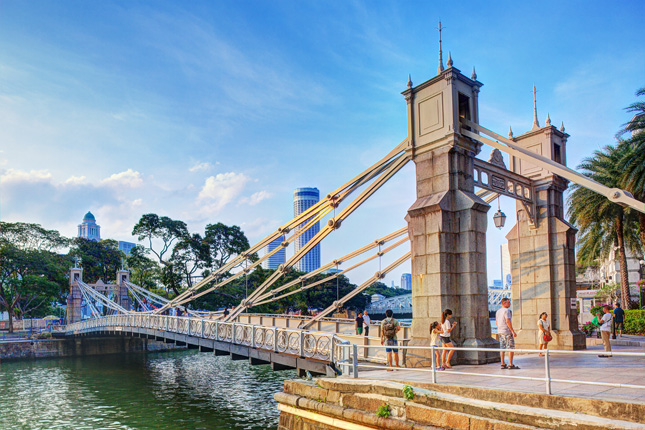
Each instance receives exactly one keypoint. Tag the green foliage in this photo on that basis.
(588, 328)
(384, 411)
(32, 274)
(634, 322)
(224, 242)
(100, 260)
(164, 229)
(408, 392)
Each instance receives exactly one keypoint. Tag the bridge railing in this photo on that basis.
(303, 343)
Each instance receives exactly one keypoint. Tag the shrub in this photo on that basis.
(634, 322)
(408, 392)
(384, 411)
(588, 328)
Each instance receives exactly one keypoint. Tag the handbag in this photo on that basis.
(547, 337)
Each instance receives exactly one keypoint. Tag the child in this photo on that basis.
(435, 331)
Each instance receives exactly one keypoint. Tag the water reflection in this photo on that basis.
(186, 390)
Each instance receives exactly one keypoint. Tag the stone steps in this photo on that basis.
(347, 402)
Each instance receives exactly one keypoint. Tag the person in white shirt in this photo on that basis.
(505, 332)
(446, 327)
(605, 330)
(366, 323)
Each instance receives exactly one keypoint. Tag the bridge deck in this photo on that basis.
(619, 370)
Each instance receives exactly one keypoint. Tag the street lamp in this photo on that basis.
(499, 218)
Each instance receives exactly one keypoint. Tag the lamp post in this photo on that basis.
(499, 218)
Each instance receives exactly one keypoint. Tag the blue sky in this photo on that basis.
(216, 111)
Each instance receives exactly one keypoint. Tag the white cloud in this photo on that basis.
(16, 176)
(221, 189)
(256, 198)
(75, 180)
(201, 167)
(129, 178)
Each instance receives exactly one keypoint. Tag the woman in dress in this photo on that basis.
(544, 330)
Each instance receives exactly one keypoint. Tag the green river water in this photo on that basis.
(172, 390)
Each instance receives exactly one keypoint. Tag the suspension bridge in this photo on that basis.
(445, 239)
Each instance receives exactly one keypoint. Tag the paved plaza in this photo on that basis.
(588, 368)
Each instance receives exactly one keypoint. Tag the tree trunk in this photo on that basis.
(641, 222)
(10, 313)
(624, 274)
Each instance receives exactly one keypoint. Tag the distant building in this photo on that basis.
(89, 229)
(406, 281)
(497, 284)
(276, 259)
(126, 247)
(506, 266)
(331, 271)
(303, 199)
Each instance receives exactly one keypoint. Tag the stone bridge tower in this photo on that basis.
(122, 296)
(542, 247)
(75, 297)
(448, 221)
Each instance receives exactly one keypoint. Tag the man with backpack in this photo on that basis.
(389, 328)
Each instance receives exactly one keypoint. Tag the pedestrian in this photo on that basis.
(435, 331)
(619, 319)
(225, 311)
(389, 328)
(446, 328)
(605, 330)
(358, 323)
(505, 332)
(366, 323)
(544, 332)
(596, 321)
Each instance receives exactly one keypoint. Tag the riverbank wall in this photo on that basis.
(28, 349)
(340, 403)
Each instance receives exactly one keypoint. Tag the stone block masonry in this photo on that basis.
(45, 348)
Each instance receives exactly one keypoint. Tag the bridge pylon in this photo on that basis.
(75, 296)
(448, 221)
(123, 296)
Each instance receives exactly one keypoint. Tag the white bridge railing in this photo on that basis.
(302, 343)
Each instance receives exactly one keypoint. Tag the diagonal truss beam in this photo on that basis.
(615, 195)
(356, 291)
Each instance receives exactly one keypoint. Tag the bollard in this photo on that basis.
(434, 365)
(547, 368)
(275, 339)
(302, 344)
(355, 359)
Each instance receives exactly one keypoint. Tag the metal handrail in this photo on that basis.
(352, 365)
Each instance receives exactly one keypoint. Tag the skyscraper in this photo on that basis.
(126, 247)
(303, 199)
(276, 259)
(89, 229)
(406, 281)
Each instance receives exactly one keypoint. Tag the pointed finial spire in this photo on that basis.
(449, 63)
(562, 126)
(510, 132)
(548, 119)
(440, 68)
(536, 123)
(409, 81)
(474, 75)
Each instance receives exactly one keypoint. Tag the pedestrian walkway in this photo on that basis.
(618, 370)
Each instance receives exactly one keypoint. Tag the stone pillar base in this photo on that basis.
(423, 357)
(568, 340)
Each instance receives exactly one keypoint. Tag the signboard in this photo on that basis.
(573, 303)
(2, 325)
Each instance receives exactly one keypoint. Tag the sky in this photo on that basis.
(214, 111)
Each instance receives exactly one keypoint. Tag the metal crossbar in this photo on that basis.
(352, 365)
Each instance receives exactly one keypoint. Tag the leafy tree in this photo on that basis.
(101, 259)
(32, 275)
(190, 255)
(603, 224)
(223, 243)
(633, 162)
(143, 270)
(165, 229)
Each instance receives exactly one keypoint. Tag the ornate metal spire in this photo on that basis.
(536, 123)
(409, 81)
(440, 68)
(548, 119)
(449, 63)
(510, 132)
(474, 75)
(562, 126)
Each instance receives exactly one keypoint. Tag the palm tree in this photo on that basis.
(633, 163)
(602, 224)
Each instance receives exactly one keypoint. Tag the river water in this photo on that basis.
(172, 390)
